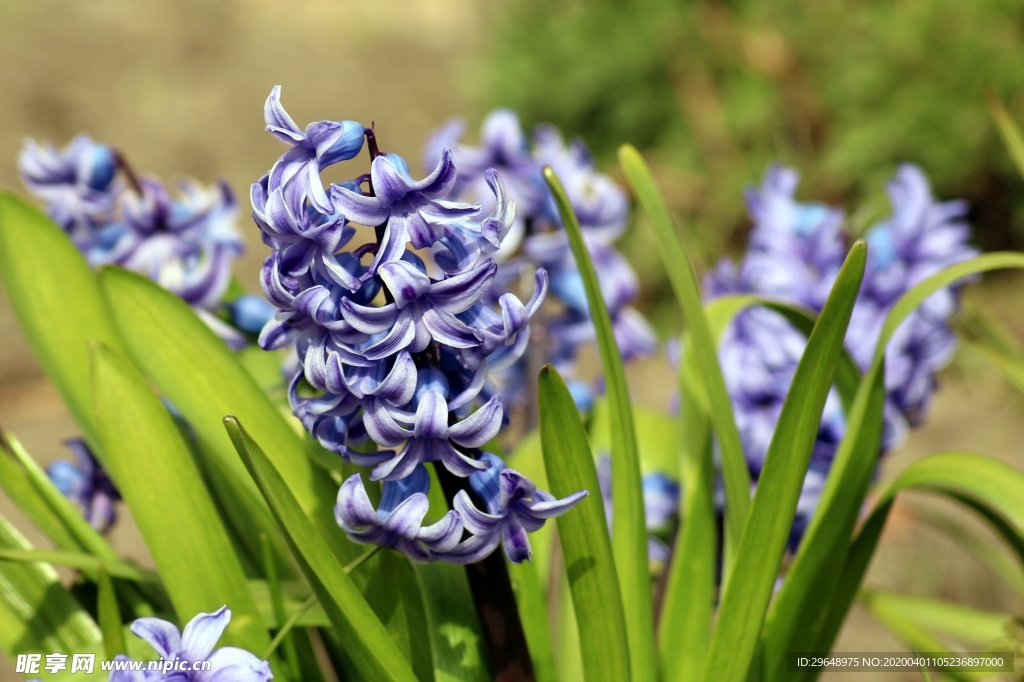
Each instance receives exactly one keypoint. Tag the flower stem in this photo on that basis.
(508, 656)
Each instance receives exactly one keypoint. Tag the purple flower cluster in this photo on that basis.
(537, 238)
(181, 651)
(85, 483)
(795, 251)
(384, 286)
(184, 240)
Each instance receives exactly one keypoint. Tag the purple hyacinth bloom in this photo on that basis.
(75, 183)
(321, 144)
(185, 243)
(795, 251)
(85, 483)
(422, 310)
(505, 148)
(398, 520)
(430, 437)
(194, 644)
(513, 508)
(536, 236)
(412, 211)
(185, 239)
(921, 238)
(394, 348)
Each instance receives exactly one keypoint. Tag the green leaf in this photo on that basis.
(907, 303)
(87, 563)
(809, 583)
(683, 279)
(916, 635)
(967, 624)
(367, 643)
(109, 614)
(56, 300)
(155, 473)
(629, 529)
(685, 627)
(204, 381)
(533, 614)
(453, 627)
(37, 614)
(60, 509)
(14, 480)
(589, 563)
(986, 484)
(1009, 131)
(828, 618)
(749, 587)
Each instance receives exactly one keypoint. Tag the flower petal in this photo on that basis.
(202, 633)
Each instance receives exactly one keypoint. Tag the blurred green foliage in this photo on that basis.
(715, 91)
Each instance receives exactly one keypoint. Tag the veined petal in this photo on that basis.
(444, 535)
(405, 282)
(431, 416)
(357, 207)
(475, 521)
(381, 426)
(369, 319)
(480, 427)
(159, 634)
(354, 511)
(449, 330)
(277, 119)
(202, 633)
(398, 339)
(516, 543)
(457, 293)
(552, 508)
(407, 517)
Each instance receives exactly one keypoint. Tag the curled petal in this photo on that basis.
(480, 427)
(202, 633)
(354, 511)
(159, 634)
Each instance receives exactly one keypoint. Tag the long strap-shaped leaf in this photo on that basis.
(583, 532)
(827, 619)
(748, 589)
(685, 627)
(37, 614)
(683, 278)
(810, 581)
(367, 643)
(56, 300)
(161, 484)
(204, 380)
(629, 530)
(985, 484)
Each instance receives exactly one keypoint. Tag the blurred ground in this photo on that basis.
(179, 87)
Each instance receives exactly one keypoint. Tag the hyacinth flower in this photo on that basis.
(85, 483)
(513, 508)
(196, 643)
(384, 287)
(537, 237)
(795, 250)
(185, 239)
(397, 522)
